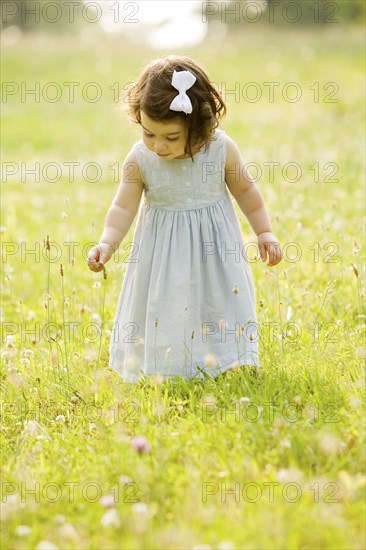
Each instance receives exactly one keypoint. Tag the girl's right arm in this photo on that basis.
(120, 215)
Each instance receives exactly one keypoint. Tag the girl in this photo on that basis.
(187, 304)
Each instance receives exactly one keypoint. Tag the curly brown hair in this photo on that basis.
(153, 93)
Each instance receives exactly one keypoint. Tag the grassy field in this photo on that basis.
(273, 460)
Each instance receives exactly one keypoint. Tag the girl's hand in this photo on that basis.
(268, 243)
(98, 256)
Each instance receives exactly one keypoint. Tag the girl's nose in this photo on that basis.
(160, 147)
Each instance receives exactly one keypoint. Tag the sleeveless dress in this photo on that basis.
(187, 304)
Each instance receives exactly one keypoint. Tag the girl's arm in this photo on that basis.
(120, 215)
(250, 201)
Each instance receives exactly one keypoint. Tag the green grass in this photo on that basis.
(300, 427)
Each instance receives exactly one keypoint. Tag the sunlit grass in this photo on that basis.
(296, 426)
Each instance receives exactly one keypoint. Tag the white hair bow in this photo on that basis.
(182, 81)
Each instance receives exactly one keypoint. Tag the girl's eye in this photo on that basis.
(148, 135)
(172, 139)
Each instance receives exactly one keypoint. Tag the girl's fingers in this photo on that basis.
(275, 255)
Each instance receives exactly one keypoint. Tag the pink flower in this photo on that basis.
(140, 444)
(107, 501)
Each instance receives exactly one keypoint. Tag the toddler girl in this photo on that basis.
(187, 304)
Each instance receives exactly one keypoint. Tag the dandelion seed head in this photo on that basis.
(209, 361)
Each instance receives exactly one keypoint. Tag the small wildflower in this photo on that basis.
(63, 215)
(140, 508)
(140, 444)
(97, 284)
(31, 427)
(60, 419)
(9, 341)
(244, 400)
(125, 480)
(157, 380)
(210, 360)
(23, 531)
(96, 318)
(226, 545)
(67, 530)
(107, 501)
(110, 518)
(46, 545)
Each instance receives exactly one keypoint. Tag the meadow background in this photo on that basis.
(156, 465)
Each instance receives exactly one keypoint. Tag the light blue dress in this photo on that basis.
(187, 304)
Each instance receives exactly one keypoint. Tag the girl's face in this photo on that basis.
(166, 139)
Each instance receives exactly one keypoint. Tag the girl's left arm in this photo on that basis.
(249, 198)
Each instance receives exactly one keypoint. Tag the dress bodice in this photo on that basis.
(184, 184)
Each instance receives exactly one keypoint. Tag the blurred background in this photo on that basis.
(292, 75)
